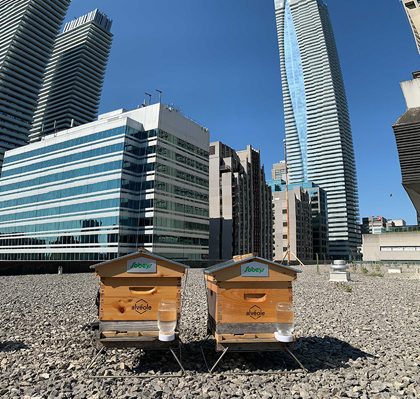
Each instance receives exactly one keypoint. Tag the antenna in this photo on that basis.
(160, 95)
(150, 98)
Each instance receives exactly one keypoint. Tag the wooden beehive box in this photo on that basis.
(242, 295)
(131, 288)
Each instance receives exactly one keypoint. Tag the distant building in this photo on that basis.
(412, 9)
(407, 135)
(73, 80)
(396, 223)
(373, 225)
(318, 203)
(28, 29)
(299, 228)
(101, 190)
(317, 123)
(241, 218)
(401, 244)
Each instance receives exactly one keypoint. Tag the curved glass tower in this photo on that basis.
(317, 125)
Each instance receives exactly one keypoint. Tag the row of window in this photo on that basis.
(61, 176)
(60, 240)
(175, 156)
(182, 144)
(80, 156)
(63, 210)
(63, 225)
(170, 171)
(82, 256)
(400, 249)
(62, 193)
(181, 192)
(66, 145)
(179, 224)
(181, 208)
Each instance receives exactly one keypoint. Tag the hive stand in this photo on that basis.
(241, 297)
(131, 288)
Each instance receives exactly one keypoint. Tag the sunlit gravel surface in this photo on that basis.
(361, 340)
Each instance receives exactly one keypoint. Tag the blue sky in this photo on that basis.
(218, 62)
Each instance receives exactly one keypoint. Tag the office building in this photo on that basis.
(318, 203)
(101, 190)
(73, 80)
(374, 225)
(400, 244)
(407, 135)
(412, 9)
(317, 125)
(27, 32)
(396, 223)
(295, 230)
(241, 218)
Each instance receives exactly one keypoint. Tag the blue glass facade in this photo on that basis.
(94, 196)
(296, 86)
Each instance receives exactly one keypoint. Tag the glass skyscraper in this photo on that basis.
(317, 125)
(28, 29)
(102, 190)
(73, 80)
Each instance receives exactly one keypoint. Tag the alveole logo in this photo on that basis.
(255, 312)
(141, 306)
(146, 266)
(250, 269)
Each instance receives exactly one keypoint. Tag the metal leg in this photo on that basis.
(219, 359)
(96, 356)
(178, 360)
(295, 359)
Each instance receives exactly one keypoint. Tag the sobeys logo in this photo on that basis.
(250, 269)
(254, 269)
(141, 265)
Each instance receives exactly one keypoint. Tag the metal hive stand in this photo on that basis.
(148, 342)
(251, 345)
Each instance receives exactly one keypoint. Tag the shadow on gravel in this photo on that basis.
(12, 346)
(320, 353)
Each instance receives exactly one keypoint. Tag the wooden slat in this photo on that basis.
(128, 325)
(242, 328)
(136, 287)
(240, 306)
(136, 308)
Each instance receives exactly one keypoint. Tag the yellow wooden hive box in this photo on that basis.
(132, 286)
(242, 295)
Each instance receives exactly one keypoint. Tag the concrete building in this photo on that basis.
(27, 32)
(374, 225)
(407, 135)
(412, 9)
(392, 246)
(101, 190)
(73, 80)
(300, 224)
(317, 124)
(396, 223)
(318, 202)
(241, 218)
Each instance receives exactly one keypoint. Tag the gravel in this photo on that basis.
(358, 340)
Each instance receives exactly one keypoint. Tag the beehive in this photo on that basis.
(242, 295)
(131, 288)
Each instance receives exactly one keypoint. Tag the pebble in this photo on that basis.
(359, 344)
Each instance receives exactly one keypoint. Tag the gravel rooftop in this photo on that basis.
(358, 340)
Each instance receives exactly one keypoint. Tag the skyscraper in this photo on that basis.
(318, 133)
(72, 85)
(407, 136)
(28, 29)
(412, 9)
